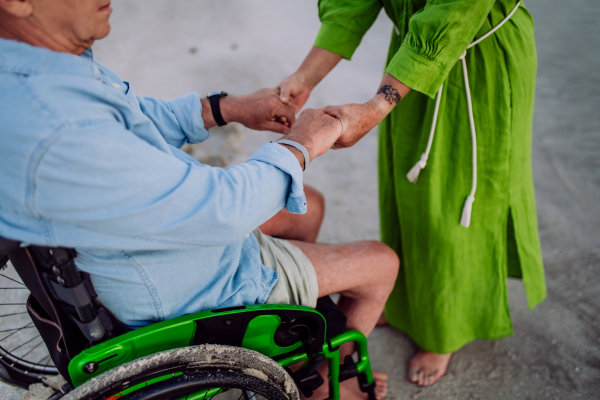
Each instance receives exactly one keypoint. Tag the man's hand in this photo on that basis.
(316, 131)
(261, 110)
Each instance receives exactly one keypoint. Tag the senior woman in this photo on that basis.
(455, 182)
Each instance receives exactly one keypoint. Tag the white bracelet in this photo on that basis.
(301, 148)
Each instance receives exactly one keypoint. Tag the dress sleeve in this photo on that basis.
(344, 23)
(437, 36)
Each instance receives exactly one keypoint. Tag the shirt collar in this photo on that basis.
(22, 58)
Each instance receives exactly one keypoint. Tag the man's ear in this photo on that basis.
(17, 8)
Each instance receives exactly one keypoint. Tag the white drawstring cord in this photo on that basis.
(413, 174)
(465, 218)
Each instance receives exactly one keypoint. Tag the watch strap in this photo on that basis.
(215, 106)
(300, 147)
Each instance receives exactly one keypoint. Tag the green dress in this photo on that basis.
(452, 285)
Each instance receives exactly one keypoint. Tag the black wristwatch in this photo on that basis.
(213, 98)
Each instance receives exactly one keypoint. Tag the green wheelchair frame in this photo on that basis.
(96, 347)
(256, 325)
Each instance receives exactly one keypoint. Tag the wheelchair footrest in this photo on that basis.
(348, 370)
(365, 387)
(308, 378)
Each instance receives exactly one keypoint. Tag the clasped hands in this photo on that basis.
(316, 129)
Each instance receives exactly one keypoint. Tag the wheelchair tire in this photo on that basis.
(193, 368)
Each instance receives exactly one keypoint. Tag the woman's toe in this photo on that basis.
(380, 376)
(380, 392)
(413, 374)
(421, 381)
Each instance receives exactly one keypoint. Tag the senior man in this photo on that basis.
(88, 164)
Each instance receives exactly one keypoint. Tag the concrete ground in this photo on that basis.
(166, 49)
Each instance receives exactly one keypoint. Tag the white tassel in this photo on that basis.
(465, 219)
(413, 174)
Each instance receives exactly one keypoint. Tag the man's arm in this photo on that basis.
(188, 118)
(126, 193)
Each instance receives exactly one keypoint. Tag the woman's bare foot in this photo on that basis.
(349, 390)
(426, 368)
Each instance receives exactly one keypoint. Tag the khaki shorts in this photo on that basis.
(297, 283)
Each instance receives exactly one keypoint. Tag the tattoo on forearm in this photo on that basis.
(391, 94)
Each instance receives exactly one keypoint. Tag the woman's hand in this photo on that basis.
(357, 120)
(295, 89)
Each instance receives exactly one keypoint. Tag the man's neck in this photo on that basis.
(27, 32)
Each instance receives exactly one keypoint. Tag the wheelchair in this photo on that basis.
(239, 352)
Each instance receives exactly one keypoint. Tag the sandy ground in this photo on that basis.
(166, 49)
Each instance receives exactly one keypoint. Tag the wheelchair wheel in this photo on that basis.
(24, 358)
(198, 372)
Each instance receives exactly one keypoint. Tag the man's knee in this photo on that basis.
(387, 265)
(316, 202)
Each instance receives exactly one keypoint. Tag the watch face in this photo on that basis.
(221, 93)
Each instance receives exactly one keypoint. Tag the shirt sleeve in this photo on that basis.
(344, 23)
(438, 35)
(101, 186)
(179, 120)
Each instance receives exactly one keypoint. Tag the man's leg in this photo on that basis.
(363, 273)
(302, 227)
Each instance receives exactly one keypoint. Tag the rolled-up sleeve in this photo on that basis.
(101, 186)
(179, 120)
(344, 23)
(279, 157)
(438, 34)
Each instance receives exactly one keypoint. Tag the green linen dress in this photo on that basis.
(452, 285)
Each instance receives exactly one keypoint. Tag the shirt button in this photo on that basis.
(96, 70)
(116, 85)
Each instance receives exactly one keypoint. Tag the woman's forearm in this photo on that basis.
(390, 92)
(358, 119)
(297, 87)
(317, 64)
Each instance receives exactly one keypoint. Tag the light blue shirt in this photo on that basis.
(88, 164)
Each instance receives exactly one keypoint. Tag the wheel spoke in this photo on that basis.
(15, 329)
(17, 288)
(13, 304)
(32, 349)
(23, 344)
(218, 392)
(11, 279)
(42, 360)
(17, 313)
(30, 325)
